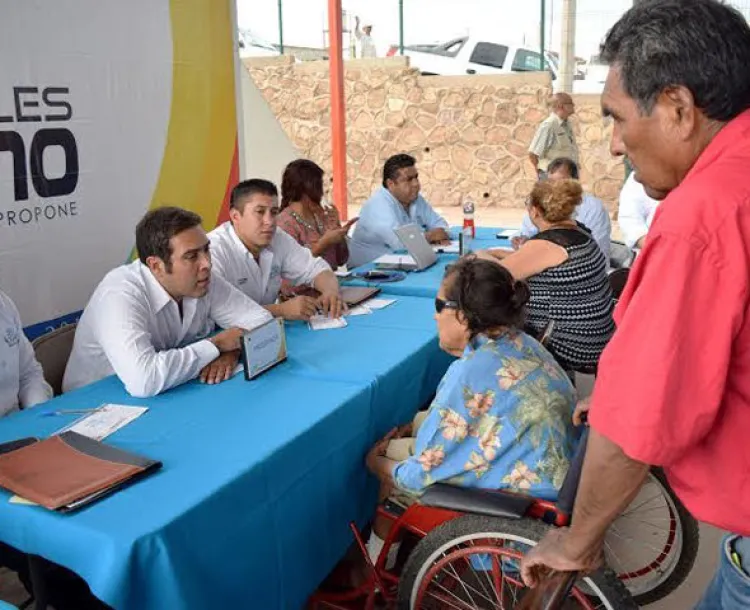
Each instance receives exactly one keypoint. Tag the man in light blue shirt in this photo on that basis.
(395, 204)
(591, 213)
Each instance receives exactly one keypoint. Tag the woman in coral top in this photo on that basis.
(306, 219)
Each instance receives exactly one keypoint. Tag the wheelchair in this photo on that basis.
(461, 549)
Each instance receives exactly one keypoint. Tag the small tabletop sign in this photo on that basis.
(263, 348)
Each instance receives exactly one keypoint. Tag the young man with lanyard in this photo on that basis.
(254, 256)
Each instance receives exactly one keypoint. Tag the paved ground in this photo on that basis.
(682, 599)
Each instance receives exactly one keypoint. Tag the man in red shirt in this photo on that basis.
(674, 383)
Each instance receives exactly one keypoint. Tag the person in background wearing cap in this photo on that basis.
(364, 36)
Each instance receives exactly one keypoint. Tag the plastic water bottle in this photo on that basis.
(469, 230)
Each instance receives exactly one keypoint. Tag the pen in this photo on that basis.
(68, 412)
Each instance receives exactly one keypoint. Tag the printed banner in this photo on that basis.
(107, 109)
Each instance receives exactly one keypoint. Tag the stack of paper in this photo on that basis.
(323, 322)
(105, 420)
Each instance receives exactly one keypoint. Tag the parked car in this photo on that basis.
(470, 55)
(596, 70)
(252, 45)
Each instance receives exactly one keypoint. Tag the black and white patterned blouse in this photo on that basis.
(577, 296)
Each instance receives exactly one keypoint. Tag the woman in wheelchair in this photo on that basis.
(501, 418)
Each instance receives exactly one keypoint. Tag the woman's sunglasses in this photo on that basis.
(441, 304)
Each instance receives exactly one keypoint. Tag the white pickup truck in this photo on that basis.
(469, 55)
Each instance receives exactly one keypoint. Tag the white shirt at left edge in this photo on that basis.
(21, 377)
(133, 328)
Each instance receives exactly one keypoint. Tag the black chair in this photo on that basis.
(620, 256)
(617, 280)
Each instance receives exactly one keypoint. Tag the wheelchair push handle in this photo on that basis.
(567, 496)
(554, 588)
(550, 593)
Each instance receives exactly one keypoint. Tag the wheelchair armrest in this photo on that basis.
(476, 501)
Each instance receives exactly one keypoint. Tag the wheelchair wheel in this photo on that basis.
(652, 546)
(472, 563)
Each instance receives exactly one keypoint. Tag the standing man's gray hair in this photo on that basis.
(657, 45)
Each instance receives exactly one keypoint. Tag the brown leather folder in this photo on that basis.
(68, 471)
(354, 295)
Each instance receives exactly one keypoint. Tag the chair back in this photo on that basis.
(620, 256)
(52, 350)
(617, 280)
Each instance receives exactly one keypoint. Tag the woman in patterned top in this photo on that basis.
(567, 275)
(501, 418)
(305, 218)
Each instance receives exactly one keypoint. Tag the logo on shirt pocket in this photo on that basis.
(12, 336)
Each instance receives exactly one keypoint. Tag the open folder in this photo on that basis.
(68, 471)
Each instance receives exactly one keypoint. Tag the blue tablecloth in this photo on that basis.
(426, 283)
(260, 478)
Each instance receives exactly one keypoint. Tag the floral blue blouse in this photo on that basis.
(501, 419)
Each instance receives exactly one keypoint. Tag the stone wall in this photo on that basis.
(470, 134)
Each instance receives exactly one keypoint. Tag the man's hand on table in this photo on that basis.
(299, 308)
(332, 304)
(438, 236)
(220, 369)
(227, 340)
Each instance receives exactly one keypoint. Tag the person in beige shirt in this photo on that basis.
(554, 138)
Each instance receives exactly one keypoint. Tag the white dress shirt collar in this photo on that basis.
(156, 294)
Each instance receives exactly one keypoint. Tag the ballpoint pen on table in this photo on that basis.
(69, 412)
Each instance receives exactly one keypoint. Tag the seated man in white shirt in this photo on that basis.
(636, 212)
(591, 213)
(22, 381)
(151, 322)
(22, 385)
(395, 204)
(254, 256)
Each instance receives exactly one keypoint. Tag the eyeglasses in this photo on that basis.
(441, 304)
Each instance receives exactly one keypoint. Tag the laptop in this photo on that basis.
(421, 255)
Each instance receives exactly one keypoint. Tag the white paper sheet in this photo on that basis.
(105, 420)
(359, 310)
(451, 248)
(507, 233)
(323, 322)
(379, 303)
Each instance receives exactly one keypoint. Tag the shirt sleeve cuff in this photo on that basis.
(37, 394)
(206, 351)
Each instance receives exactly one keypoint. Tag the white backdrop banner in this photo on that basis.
(107, 109)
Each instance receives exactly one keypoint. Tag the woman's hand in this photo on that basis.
(406, 430)
(580, 415)
(487, 255)
(377, 463)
